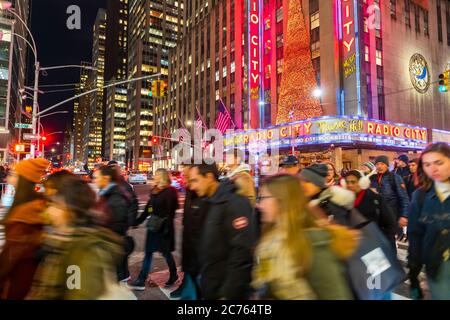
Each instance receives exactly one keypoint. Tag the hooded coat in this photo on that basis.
(23, 236)
(226, 254)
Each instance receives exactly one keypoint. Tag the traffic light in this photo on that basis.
(444, 81)
(154, 140)
(44, 138)
(19, 148)
(163, 88)
(154, 92)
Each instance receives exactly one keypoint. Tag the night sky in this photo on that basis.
(57, 45)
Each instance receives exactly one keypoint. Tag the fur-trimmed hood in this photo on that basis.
(338, 195)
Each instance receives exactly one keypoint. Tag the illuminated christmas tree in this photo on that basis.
(296, 101)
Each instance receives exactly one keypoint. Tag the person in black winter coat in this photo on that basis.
(391, 186)
(371, 205)
(194, 212)
(402, 168)
(114, 207)
(227, 242)
(162, 205)
(412, 181)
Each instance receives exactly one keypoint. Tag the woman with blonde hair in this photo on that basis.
(298, 257)
(160, 229)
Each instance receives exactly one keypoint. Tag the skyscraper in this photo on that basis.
(13, 54)
(95, 120)
(115, 98)
(80, 114)
(154, 27)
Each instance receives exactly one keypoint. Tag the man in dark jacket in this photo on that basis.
(227, 240)
(194, 212)
(114, 206)
(402, 168)
(392, 188)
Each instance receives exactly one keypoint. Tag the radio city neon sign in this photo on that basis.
(348, 21)
(254, 49)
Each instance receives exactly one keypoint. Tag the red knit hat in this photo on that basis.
(32, 169)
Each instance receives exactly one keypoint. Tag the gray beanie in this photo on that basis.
(369, 165)
(315, 174)
(382, 159)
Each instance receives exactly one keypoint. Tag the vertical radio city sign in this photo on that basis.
(348, 37)
(254, 76)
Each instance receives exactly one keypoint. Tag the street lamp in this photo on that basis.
(317, 93)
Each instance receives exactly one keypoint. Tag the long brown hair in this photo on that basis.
(439, 147)
(294, 216)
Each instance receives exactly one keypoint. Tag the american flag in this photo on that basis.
(223, 120)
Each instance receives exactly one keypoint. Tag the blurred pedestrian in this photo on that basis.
(75, 247)
(429, 223)
(412, 181)
(371, 204)
(402, 168)
(391, 186)
(297, 258)
(160, 228)
(367, 167)
(195, 209)
(226, 254)
(332, 178)
(240, 174)
(335, 201)
(113, 206)
(290, 165)
(3, 174)
(23, 230)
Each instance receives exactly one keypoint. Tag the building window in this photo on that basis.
(393, 7)
(315, 20)
(408, 14)
(279, 14)
(439, 19)
(378, 58)
(315, 50)
(279, 40)
(366, 27)
(366, 54)
(280, 66)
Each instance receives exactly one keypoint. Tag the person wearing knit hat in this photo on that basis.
(367, 167)
(382, 159)
(24, 224)
(32, 169)
(315, 174)
(402, 168)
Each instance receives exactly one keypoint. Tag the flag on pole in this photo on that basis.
(223, 119)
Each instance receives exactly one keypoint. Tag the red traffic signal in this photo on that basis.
(44, 138)
(155, 140)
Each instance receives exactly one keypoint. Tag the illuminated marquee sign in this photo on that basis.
(336, 129)
(348, 37)
(254, 49)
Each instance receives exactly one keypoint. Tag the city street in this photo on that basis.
(159, 274)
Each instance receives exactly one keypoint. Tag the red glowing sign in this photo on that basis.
(348, 36)
(254, 49)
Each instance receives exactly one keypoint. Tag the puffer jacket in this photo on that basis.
(391, 187)
(226, 245)
(277, 276)
(18, 260)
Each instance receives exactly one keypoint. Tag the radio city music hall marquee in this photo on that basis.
(335, 130)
